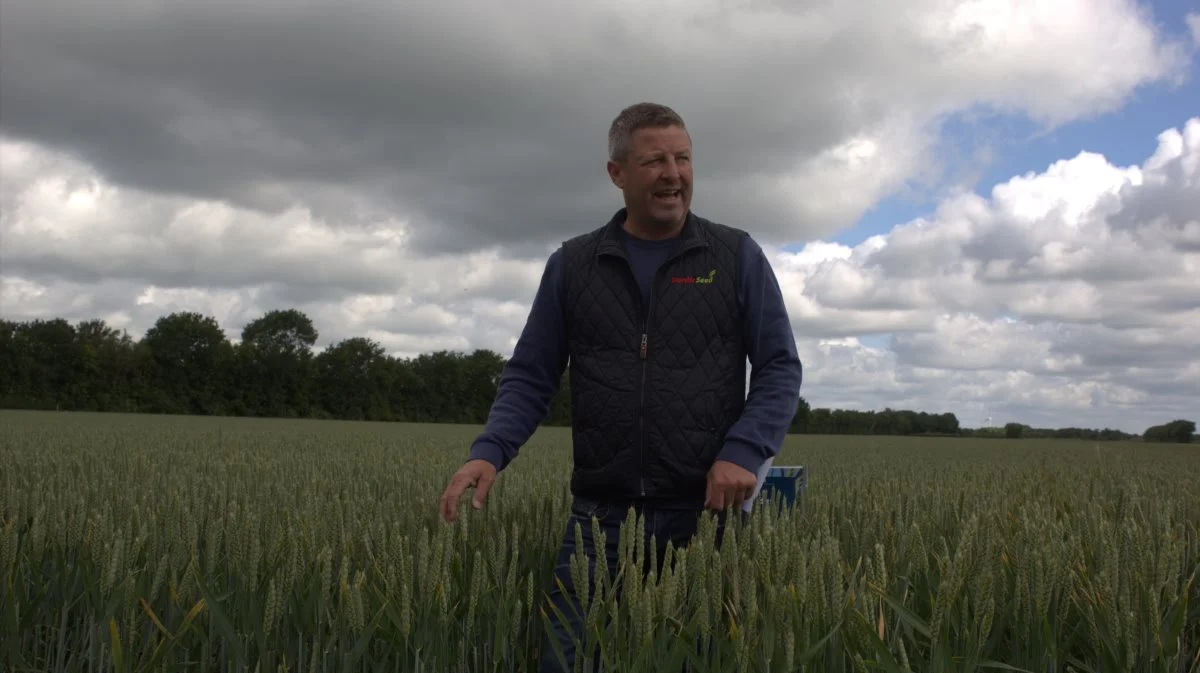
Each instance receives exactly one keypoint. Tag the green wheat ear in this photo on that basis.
(268, 536)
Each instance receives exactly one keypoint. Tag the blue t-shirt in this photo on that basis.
(646, 256)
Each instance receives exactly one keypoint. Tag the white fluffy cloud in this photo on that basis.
(1066, 297)
(455, 117)
(399, 173)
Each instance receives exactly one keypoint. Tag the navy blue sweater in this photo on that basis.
(532, 375)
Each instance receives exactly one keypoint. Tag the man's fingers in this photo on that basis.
(469, 477)
(458, 483)
(717, 499)
(482, 486)
(450, 500)
(732, 495)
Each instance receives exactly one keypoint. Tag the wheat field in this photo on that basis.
(143, 543)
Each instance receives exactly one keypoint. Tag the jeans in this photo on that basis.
(665, 524)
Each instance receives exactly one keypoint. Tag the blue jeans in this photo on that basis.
(665, 524)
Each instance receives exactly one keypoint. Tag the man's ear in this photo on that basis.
(616, 174)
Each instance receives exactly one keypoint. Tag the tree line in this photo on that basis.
(186, 364)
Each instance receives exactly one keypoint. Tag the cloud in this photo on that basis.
(1063, 297)
(398, 172)
(1072, 291)
(473, 123)
(1084, 241)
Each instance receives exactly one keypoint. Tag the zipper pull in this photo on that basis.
(643, 345)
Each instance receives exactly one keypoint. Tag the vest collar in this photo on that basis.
(691, 236)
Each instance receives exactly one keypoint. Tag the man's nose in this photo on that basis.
(671, 169)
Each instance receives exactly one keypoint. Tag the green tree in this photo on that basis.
(1179, 431)
(351, 376)
(276, 357)
(799, 422)
(185, 364)
(191, 360)
(110, 373)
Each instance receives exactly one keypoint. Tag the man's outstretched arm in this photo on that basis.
(775, 368)
(530, 378)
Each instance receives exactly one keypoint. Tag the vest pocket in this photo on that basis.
(706, 410)
(585, 508)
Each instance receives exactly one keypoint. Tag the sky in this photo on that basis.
(988, 207)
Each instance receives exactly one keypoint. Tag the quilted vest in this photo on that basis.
(654, 388)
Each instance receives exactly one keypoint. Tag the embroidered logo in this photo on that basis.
(712, 275)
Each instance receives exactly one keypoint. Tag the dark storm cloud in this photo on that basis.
(1184, 388)
(309, 279)
(1103, 349)
(492, 127)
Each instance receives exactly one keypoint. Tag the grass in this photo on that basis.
(212, 544)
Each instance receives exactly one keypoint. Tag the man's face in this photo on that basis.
(656, 177)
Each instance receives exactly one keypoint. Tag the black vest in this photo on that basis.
(654, 388)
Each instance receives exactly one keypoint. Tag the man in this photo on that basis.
(656, 313)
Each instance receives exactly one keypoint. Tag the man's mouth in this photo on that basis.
(667, 195)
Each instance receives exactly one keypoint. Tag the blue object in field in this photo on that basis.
(784, 484)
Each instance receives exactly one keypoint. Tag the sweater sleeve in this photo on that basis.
(530, 378)
(775, 368)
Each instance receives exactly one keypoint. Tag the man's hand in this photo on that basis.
(729, 485)
(478, 474)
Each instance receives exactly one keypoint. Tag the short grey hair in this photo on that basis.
(634, 117)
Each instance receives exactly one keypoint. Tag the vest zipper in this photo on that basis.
(642, 406)
(644, 355)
